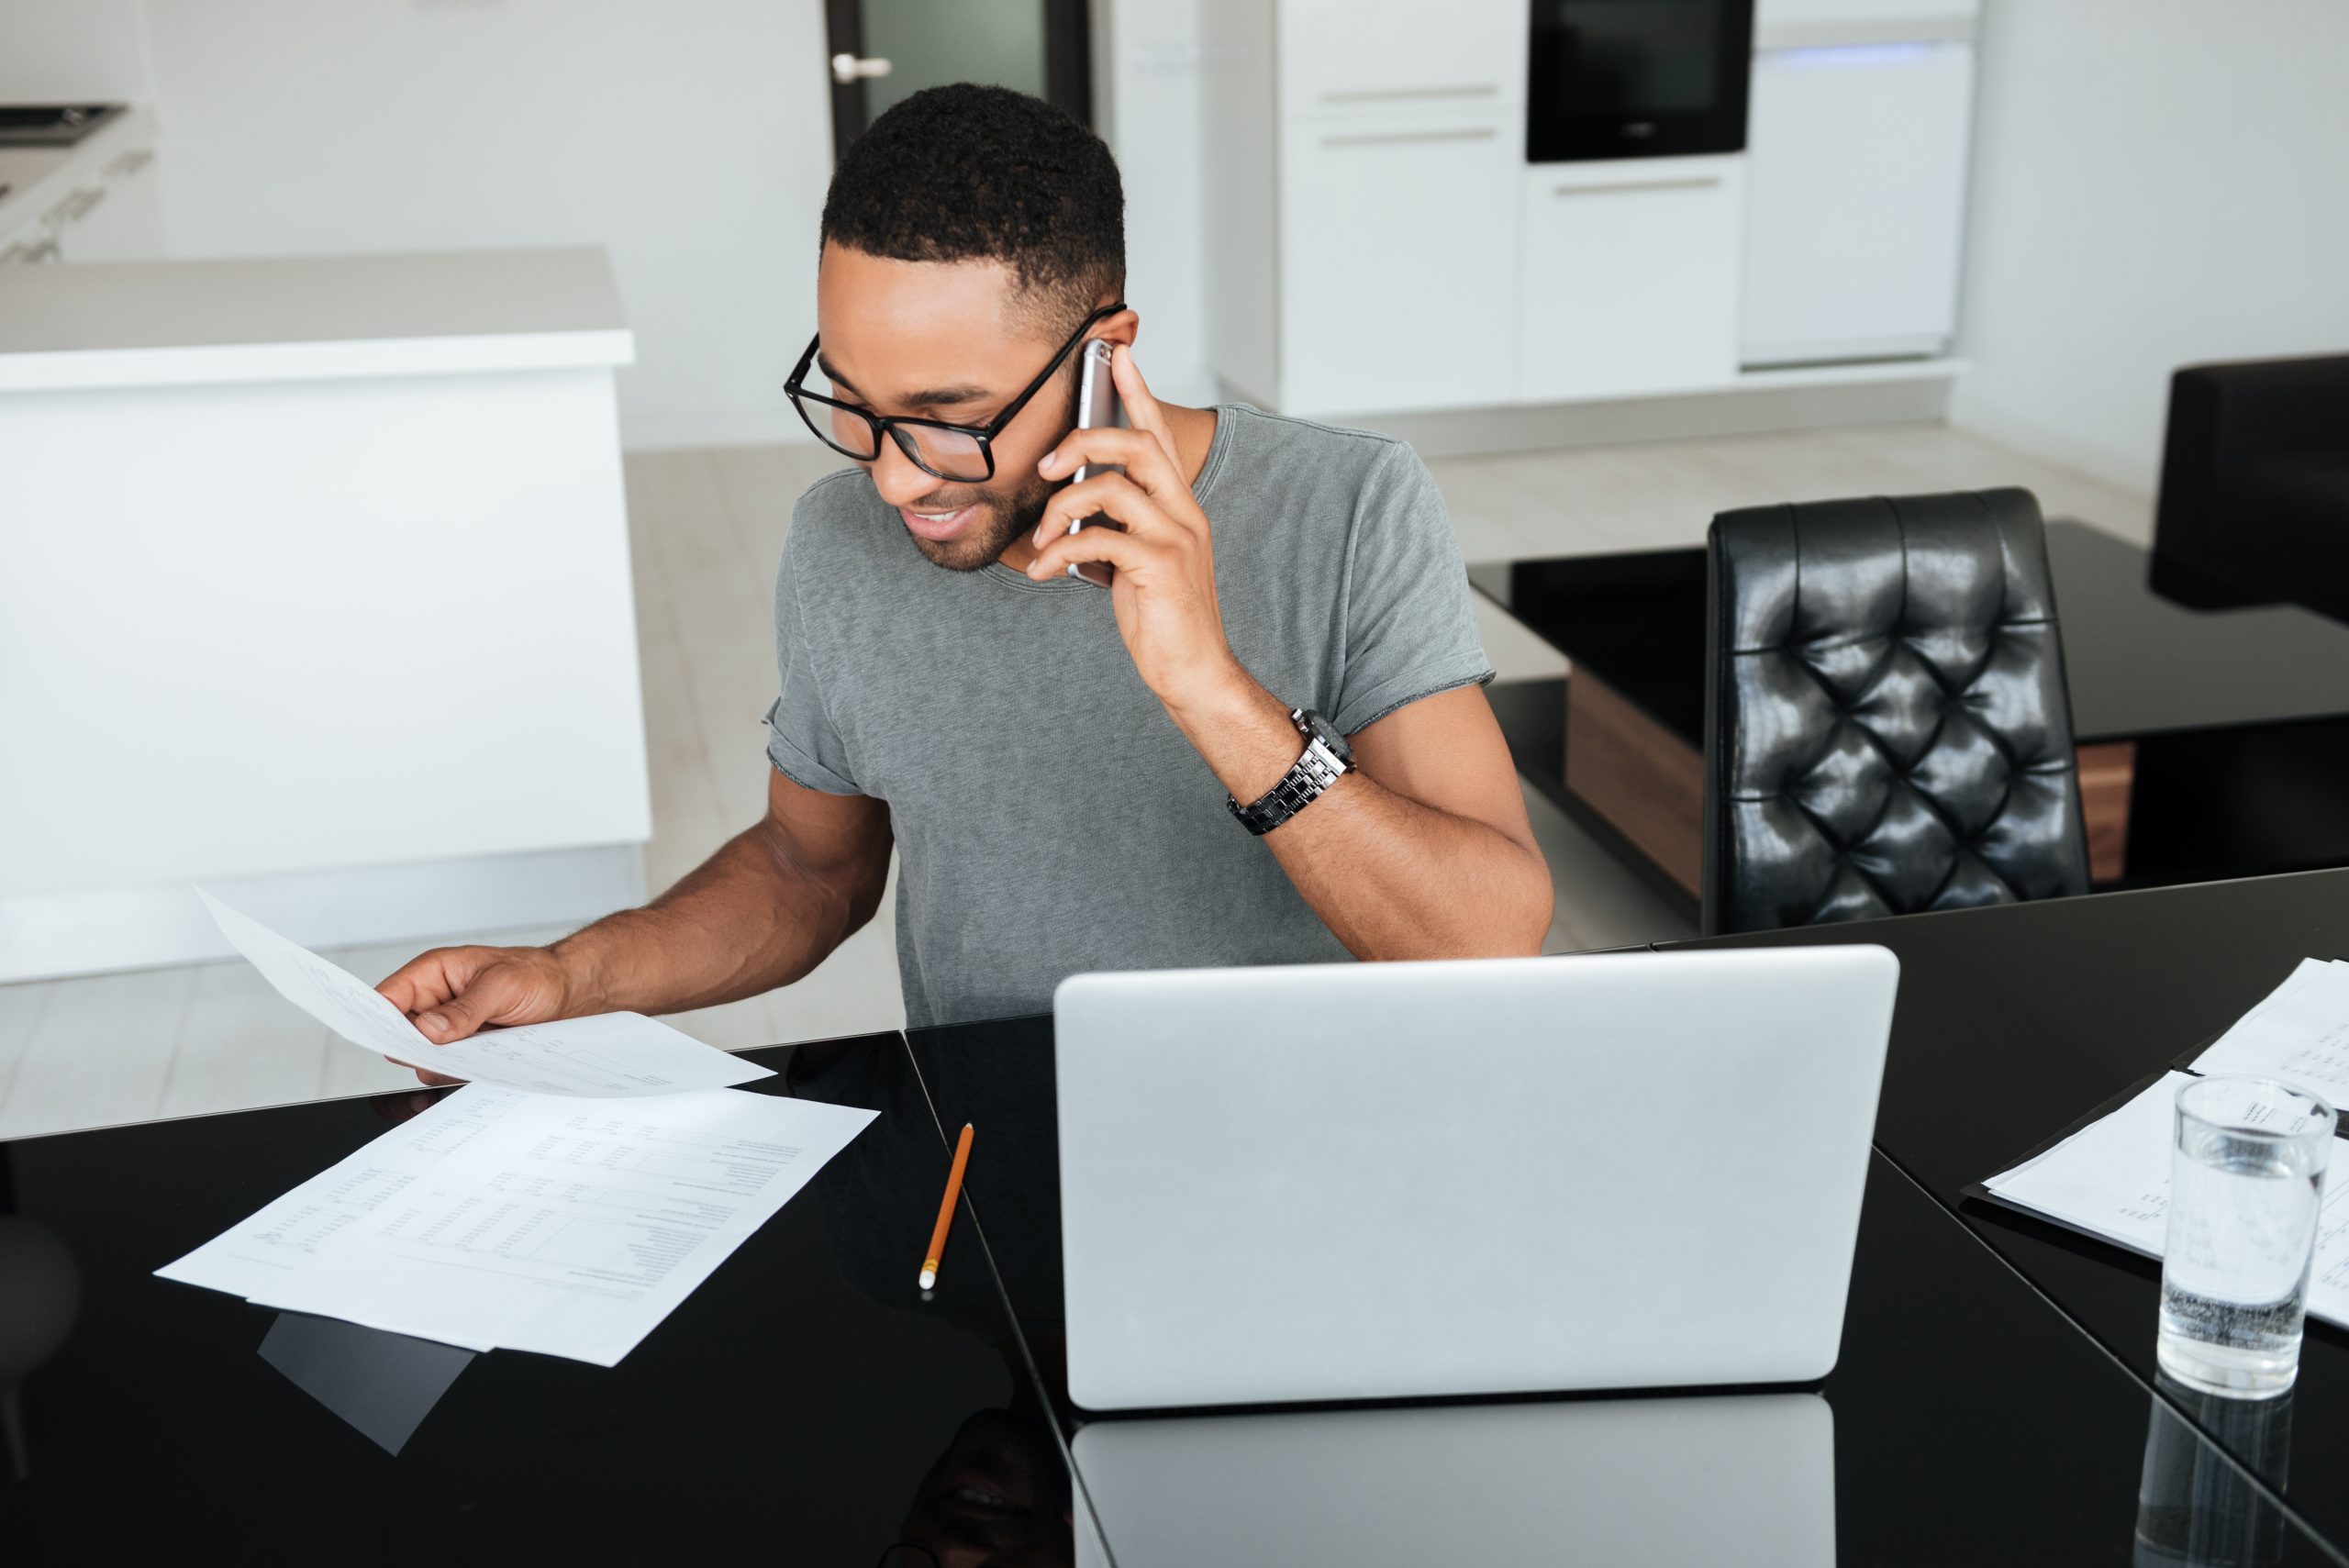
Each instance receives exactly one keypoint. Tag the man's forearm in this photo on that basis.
(1392, 878)
(742, 922)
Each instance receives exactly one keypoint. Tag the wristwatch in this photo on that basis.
(1326, 760)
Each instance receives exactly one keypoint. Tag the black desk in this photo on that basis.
(2213, 743)
(2014, 1021)
(1971, 1424)
(805, 1406)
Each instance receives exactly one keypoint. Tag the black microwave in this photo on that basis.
(1637, 78)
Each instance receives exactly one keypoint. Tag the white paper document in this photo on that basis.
(2110, 1179)
(609, 1055)
(521, 1222)
(2300, 1034)
(289, 1235)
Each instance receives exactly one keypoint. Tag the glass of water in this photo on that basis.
(2246, 1175)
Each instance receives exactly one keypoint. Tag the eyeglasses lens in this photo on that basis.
(950, 454)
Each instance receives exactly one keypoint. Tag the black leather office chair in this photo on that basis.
(2255, 502)
(1887, 729)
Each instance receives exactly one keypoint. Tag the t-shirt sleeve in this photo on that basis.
(1410, 629)
(802, 741)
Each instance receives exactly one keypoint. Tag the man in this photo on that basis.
(1059, 767)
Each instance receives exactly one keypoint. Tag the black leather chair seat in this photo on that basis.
(1887, 730)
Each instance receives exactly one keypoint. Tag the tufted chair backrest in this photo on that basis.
(1885, 724)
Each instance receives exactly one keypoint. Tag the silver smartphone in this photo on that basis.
(1097, 408)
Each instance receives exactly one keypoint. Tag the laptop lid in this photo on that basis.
(1481, 1176)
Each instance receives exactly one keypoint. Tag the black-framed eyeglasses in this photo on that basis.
(964, 453)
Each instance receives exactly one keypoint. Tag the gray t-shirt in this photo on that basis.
(1049, 816)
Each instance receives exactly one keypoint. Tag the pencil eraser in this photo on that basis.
(928, 1279)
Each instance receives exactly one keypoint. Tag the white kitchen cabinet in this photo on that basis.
(1629, 279)
(1856, 164)
(1786, 24)
(1362, 162)
(1397, 264)
(1340, 55)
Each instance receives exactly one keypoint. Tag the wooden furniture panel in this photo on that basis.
(2107, 772)
(1637, 774)
(1649, 784)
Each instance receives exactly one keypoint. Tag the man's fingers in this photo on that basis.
(421, 981)
(1141, 454)
(453, 1019)
(496, 995)
(1111, 495)
(1141, 409)
(1121, 550)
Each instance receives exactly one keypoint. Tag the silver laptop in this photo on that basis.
(1483, 1176)
(1673, 1482)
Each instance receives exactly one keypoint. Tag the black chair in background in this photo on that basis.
(2254, 500)
(1887, 729)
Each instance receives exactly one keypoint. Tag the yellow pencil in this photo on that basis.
(946, 1208)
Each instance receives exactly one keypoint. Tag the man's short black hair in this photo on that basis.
(965, 172)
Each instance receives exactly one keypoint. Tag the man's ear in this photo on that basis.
(1123, 327)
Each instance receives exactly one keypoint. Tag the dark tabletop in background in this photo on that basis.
(2137, 663)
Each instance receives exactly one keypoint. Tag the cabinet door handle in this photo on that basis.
(1688, 183)
(1400, 95)
(1374, 138)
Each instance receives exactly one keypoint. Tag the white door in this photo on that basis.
(1397, 263)
(1629, 279)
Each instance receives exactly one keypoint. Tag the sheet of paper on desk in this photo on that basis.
(609, 1055)
(566, 1228)
(291, 1234)
(2298, 1034)
(2110, 1179)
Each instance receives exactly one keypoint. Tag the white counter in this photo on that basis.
(317, 592)
(308, 317)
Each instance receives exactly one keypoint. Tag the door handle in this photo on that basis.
(848, 70)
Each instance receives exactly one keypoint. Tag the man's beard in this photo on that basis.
(1001, 519)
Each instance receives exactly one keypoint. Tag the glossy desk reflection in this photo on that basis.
(803, 1405)
(1966, 1422)
(2015, 1020)
(807, 1405)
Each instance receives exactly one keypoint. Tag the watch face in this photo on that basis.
(1325, 732)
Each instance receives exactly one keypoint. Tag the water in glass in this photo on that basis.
(2246, 1178)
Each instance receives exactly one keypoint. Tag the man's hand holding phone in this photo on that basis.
(1162, 552)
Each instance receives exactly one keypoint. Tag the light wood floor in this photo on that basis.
(708, 527)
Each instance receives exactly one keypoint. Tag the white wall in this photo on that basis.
(690, 138)
(2157, 183)
(56, 51)
(1146, 106)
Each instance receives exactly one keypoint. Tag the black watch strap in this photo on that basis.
(1323, 764)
